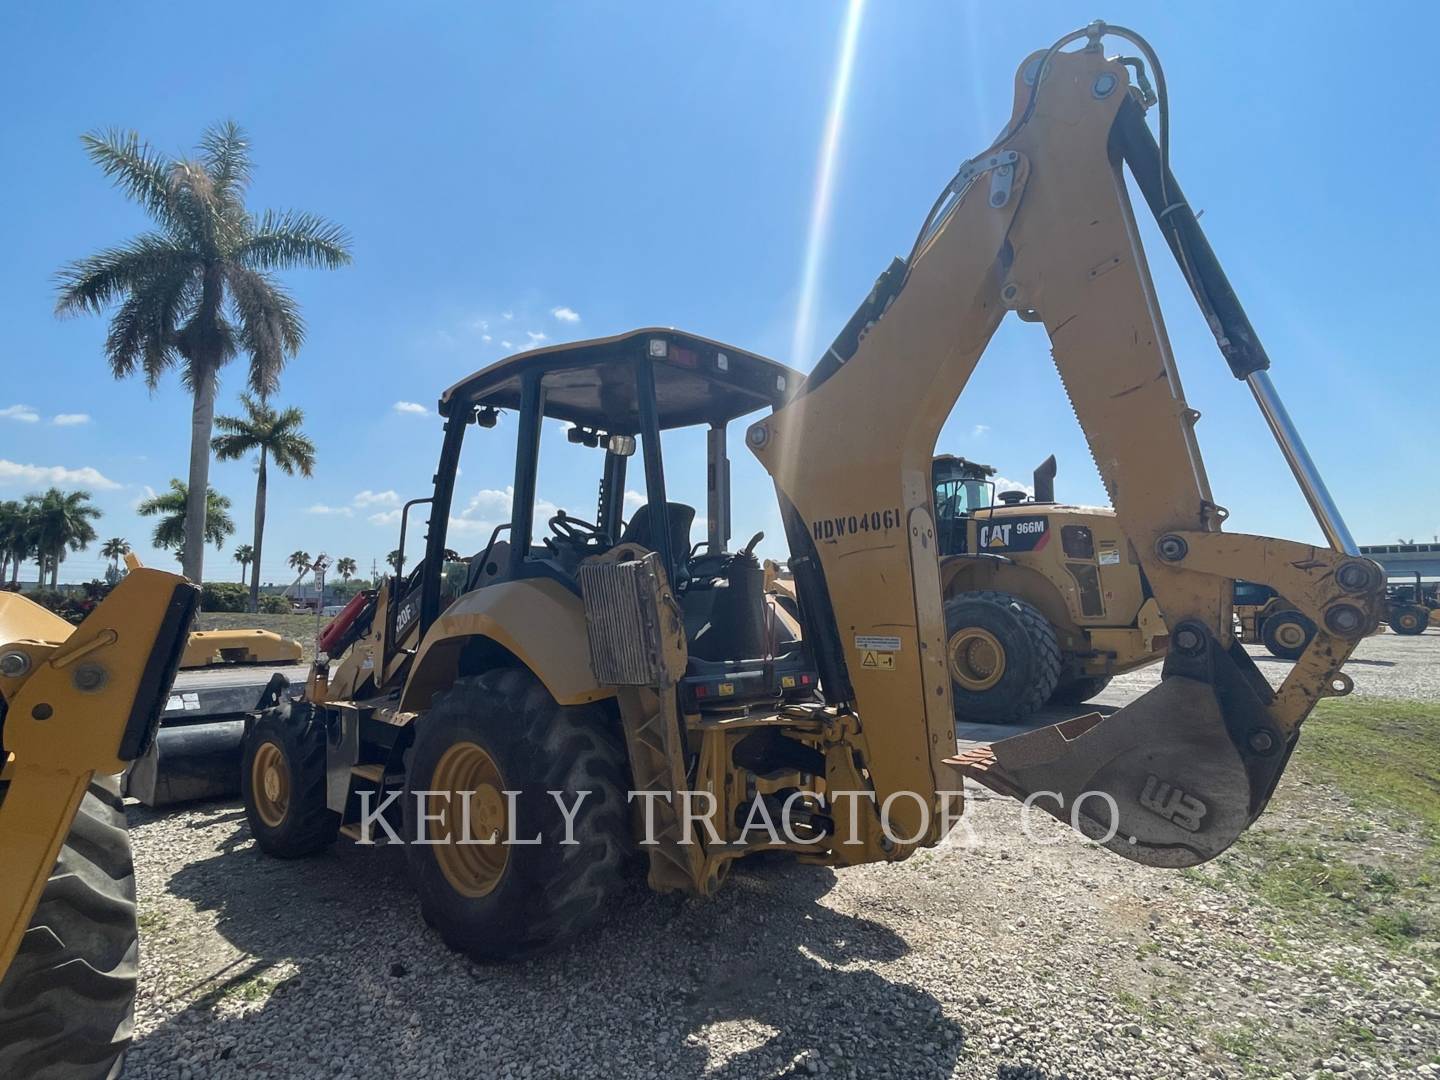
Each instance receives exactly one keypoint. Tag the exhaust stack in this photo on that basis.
(1045, 481)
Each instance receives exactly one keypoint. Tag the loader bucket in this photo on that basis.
(1171, 780)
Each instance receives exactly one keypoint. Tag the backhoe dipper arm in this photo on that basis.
(1041, 224)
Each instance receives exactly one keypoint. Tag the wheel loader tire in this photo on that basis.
(502, 731)
(1003, 657)
(1287, 634)
(1079, 690)
(67, 1003)
(282, 781)
(1409, 620)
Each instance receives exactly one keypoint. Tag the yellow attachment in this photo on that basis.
(467, 812)
(79, 701)
(206, 647)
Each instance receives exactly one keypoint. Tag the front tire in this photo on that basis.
(282, 781)
(1003, 657)
(1287, 633)
(502, 732)
(1409, 620)
(67, 1002)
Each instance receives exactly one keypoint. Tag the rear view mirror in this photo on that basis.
(621, 445)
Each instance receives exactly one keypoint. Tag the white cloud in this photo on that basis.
(337, 511)
(507, 344)
(479, 324)
(148, 494)
(1003, 484)
(376, 498)
(490, 507)
(633, 501)
(389, 517)
(979, 431)
(485, 338)
(565, 314)
(12, 472)
(508, 315)
(536, 337)
(70, 419)
(411, 408)
(24, 413)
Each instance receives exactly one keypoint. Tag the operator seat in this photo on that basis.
(641, 529)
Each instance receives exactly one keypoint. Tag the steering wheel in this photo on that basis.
(579, 533)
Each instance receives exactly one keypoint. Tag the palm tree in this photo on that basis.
(15, 538)
(277, 436)
(244, 555)
(115, 549)
(199, 290)
(345, 567)
(299, 561)
(172, 507)
(60, 522)
(395, 558)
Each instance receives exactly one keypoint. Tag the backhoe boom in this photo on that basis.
(1041, 224)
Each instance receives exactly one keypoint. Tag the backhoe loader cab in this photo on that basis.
(601, 652)
(1044, 601)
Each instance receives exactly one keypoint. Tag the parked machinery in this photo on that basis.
(1044, 601)
(612, 656)
(76, 704)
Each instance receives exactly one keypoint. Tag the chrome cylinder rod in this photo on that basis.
(1308, 477)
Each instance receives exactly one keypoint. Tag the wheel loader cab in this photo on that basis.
(615, 397)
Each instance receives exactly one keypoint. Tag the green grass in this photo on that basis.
(1384, 756)
(300, 627)
(1380, 753)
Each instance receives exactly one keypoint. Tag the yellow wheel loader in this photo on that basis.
(77, 703)
(589, 690)
(1044, 602)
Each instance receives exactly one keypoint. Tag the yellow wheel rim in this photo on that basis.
(270, 783)
(977, 659)
(467, 819)
(1291, 635)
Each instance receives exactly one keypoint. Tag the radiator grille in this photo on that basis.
(622, 610)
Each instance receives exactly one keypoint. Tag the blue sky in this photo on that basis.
(505, 168)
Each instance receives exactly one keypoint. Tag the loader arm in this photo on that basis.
(76, 702)
(1041, 224)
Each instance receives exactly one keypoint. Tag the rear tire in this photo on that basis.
(67, 1002)
(282, 780)
(519, 899)
(1079, 690)
(1003, 657)
(1287, 634)
(1409, 620)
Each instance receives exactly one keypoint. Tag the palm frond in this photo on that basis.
(137, 169)
(270, 327)
(225, 151)
(92, 283)
(280, 240)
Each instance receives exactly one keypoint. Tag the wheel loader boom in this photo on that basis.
(1040, 224)
(75, 702)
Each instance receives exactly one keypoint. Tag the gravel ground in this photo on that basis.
(989, 956)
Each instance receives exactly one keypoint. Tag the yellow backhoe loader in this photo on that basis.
(1044, 602)
(77, 703)
(617, 687)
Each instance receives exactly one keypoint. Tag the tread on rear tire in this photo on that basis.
(67, 1002)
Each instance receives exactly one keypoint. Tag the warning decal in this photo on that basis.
(877, 661)
(877, 642)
